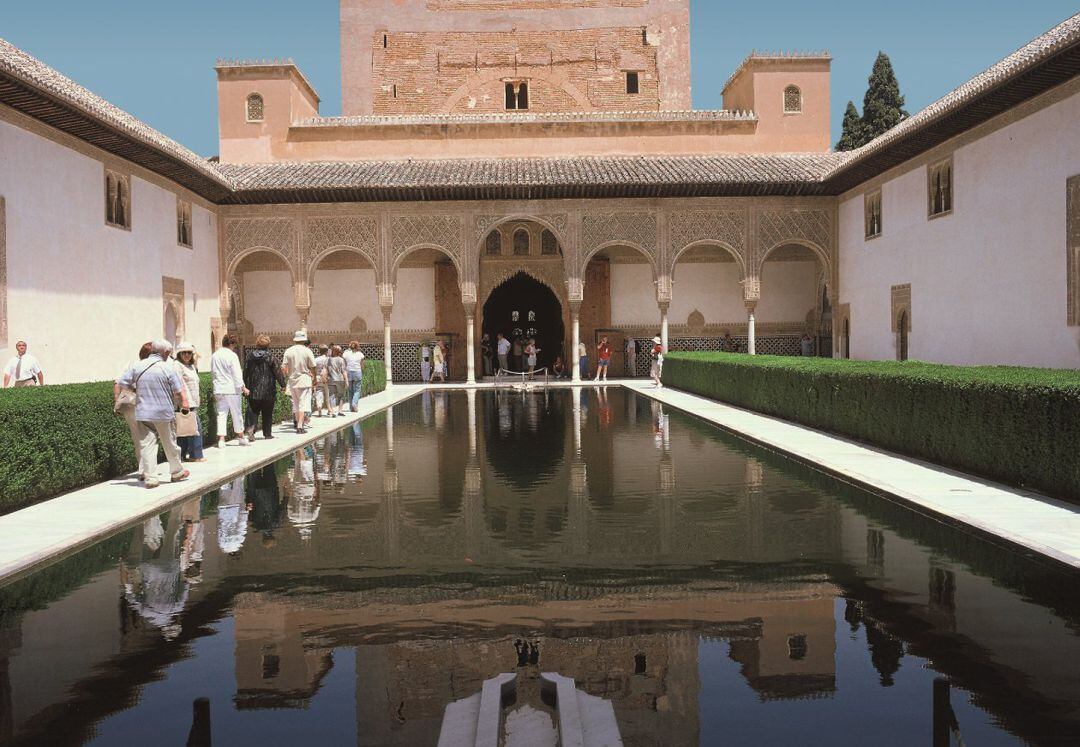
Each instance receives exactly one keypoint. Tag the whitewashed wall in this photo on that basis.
(269, 303)
(988, 282)
(85, 295)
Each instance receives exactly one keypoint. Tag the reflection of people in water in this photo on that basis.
(527, 653)
(604, 412)
(155, 587)
(232, 517)
(661, 427)
(265, 496)
(303, 505)
(357, 463)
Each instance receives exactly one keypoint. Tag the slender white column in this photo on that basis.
(751, 334)
(386, 348)
(470, 349)
(575, 371)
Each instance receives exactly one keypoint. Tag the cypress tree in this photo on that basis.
(883, 107)
(852, 136)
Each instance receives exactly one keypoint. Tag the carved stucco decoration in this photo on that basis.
(494, 273)
(172, 296)
(792, 226)
(278, 235)
(687, 227)
(630, 228)
(326, 233)
(483, 224)
(410, 231)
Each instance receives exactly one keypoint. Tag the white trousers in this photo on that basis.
(149, 432)
(229, 404)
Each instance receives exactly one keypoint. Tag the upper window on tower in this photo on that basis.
(255, 108)
(792, 100)
(517, 95)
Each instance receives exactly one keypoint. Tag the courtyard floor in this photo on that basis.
(1043, 526)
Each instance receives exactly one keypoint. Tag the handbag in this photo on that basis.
(129, 397)
(187, 424)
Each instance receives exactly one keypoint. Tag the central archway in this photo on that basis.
(523, 306)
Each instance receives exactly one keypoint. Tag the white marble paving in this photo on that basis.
(1023, 518)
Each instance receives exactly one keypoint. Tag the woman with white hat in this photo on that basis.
(191, 447)
(656, 355)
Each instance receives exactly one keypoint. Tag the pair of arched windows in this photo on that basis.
(517, 95)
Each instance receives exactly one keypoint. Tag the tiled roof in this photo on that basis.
(539, 178)
(35, 73)
(720, 115)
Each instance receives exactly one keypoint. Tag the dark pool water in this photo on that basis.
(714, 592)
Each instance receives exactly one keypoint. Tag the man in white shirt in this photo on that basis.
(299, 365)
(23, 369)
(228, 387)
(502, 349)
(354, 365)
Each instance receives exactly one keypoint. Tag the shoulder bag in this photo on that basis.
(129, 397)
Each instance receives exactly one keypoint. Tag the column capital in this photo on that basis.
(750, 305)
(575, 290)
(386, 295)
(663, 306)
(751, 289)
(663, 289)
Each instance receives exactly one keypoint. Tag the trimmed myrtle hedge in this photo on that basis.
(57, 438)
(1019, 426)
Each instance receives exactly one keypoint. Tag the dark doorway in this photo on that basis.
(525, 307)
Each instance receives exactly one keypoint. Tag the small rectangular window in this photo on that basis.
(393, 90)
(940, 188)
(872, 214)
(632, 83)
(384, 41)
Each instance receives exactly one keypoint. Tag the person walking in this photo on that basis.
(337, 373)
(583, 360)
(263, 378)
(438, 361)
(299, 366)
(23, 369)
(354, 365)
(656, 358)
(531, 352)
(603, 358)
(191, 447)
(228, 379)
(155, 382)
(321, 394)
(631, 357)
(125, 407)
(485, 354)
(502, 349)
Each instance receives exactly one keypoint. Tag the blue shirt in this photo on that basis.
(158, 380)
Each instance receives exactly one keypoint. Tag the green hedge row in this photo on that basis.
(58, 438)
(1019, 426)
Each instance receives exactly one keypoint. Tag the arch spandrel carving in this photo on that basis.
(244, 235)
(407, 232)
(324, 234)
(812, 228)
(689, 227)
(639, 229)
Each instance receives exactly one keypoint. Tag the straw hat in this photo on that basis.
(185, 347)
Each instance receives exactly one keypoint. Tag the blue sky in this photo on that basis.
(155, 59)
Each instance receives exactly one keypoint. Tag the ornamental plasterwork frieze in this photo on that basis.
(358, 233)
(276, 234)
(635, 228)
(777, 227)
(686, 227)
(494, 273)
(410, 231)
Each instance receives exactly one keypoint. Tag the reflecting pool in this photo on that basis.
(712, 591)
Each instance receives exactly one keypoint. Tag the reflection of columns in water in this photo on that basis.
(392, 510)
(390, 430)
(578, 510)
(471, 393)
(473, 509)
(576, 398)
(667, 502)
(755, 508)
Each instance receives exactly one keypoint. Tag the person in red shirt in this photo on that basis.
(603, 358)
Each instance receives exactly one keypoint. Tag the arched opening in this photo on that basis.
(493, 243)
(172, 324)
(793, 315)
(521, 242)
(523, 307)
(902, 337)
(261, 296)
(343, 294)
(708, 300)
